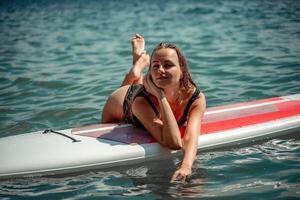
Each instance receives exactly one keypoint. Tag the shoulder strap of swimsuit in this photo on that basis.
(187, 107)
(145, 94)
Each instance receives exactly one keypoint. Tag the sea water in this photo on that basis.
(60, 60)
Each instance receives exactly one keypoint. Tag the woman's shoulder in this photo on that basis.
(198, 98)
(192, 93)
(200, 103)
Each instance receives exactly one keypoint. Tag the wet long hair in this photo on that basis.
(186, 82)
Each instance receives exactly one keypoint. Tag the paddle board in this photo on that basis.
(106, 145)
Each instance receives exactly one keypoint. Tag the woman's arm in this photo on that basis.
(190, 140)
(164, 130)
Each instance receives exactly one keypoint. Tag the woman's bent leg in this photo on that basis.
(135, 76)
(113, 108)
(140, 60)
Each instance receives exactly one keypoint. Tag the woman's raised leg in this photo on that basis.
(140, 60)
(113, 108)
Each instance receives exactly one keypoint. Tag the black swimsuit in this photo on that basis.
(137, 90)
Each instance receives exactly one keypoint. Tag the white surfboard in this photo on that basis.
(107, 145)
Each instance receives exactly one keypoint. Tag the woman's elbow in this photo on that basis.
(174, 146)
(171, 143)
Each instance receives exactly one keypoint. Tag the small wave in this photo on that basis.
(52, 84)
(137, 172)
(199, 10)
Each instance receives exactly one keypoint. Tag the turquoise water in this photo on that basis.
(60, 60)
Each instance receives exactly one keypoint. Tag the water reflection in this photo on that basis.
(154, 177)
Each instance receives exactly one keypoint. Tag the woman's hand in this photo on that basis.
(182, 174)
(152, 88)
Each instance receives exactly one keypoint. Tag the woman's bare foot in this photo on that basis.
(138, 47)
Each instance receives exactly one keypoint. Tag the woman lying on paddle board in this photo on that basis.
(161, 102)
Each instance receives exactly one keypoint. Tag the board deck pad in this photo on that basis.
(125, 133)
(216, 119)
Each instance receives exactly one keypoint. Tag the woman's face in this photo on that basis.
(165, 69)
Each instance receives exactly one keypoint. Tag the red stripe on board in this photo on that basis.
(239, 113)
(286, 109)
(244, 104)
